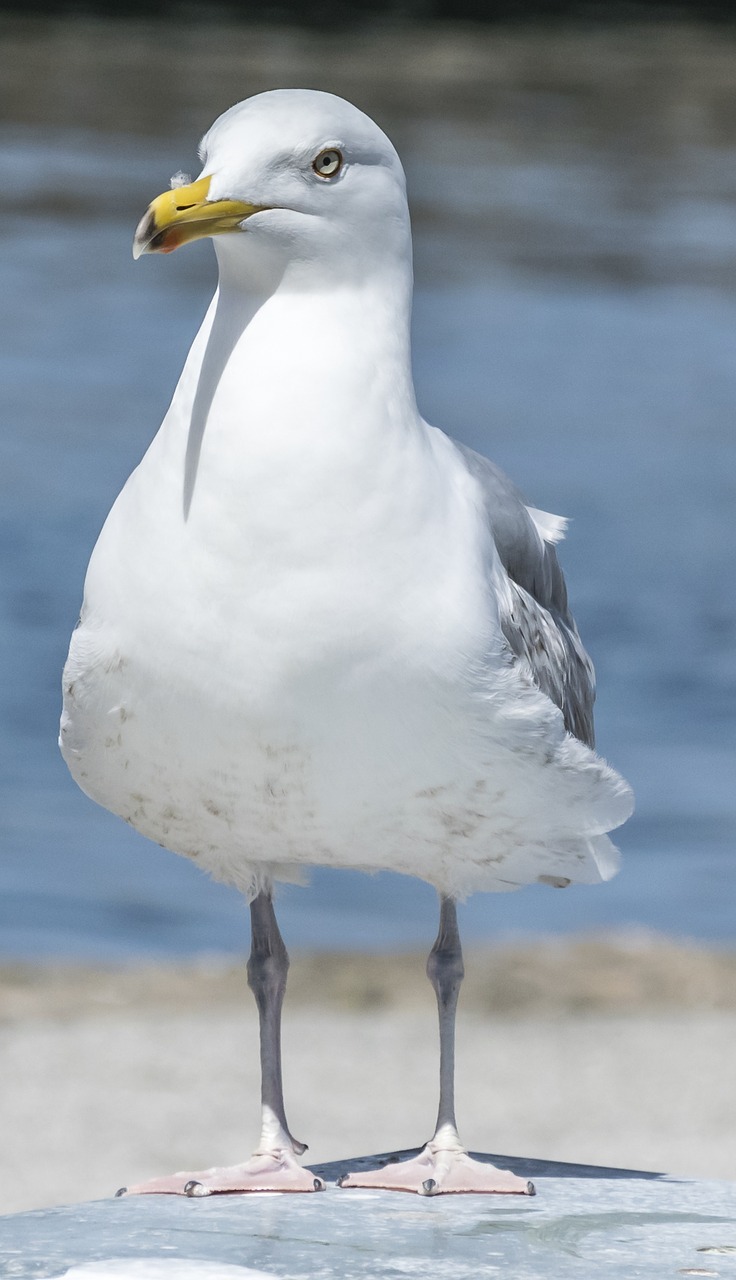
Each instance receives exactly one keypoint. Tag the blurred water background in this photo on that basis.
(573, 193)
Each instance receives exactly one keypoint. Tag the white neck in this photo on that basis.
(282, 376)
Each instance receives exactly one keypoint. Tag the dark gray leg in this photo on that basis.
(445, 971)
(268, 966)
(272, 1166)
(443, 1166)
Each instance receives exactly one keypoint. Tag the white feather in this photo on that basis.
(550, 528)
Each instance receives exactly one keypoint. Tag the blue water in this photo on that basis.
(576, 326)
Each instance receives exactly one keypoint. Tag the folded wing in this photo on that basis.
(535, 616)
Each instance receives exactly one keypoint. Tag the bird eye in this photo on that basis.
(327, 163)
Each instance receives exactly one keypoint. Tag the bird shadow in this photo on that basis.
(526, 1168)
(227, 327)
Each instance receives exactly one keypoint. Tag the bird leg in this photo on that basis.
(443, 1166)
(272, 1167)
(268, 966)
(445, 970)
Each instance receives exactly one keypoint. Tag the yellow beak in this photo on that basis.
(184, 214)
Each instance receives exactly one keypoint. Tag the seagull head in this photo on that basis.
(296, 179)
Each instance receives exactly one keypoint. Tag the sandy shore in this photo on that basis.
(615, 1052)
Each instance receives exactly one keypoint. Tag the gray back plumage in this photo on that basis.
(537, 624)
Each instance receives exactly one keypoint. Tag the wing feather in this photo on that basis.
(536, 620)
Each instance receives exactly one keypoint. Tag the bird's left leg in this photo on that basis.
(443, 1166)
(272, 1167)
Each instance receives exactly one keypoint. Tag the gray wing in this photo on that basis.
(538, 626)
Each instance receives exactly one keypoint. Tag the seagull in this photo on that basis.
(316, 630)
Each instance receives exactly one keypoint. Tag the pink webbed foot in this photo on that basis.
(265, 1171)
(440, 1171)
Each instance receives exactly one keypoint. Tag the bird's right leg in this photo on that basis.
(268, 967)
(273, 1166)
